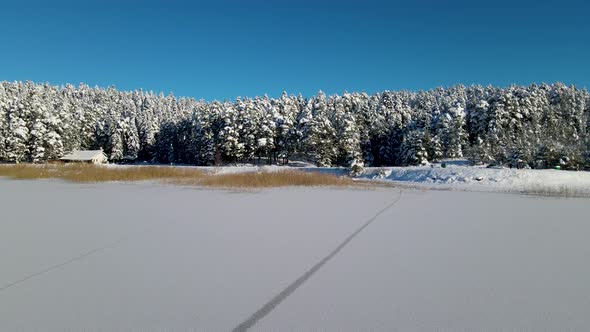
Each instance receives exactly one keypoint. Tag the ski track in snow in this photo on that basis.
(63, 264)
(275, 301)
(497, 262)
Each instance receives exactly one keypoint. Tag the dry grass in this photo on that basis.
(93, 173)
(175, 175)
(562, 190)
(275, 179)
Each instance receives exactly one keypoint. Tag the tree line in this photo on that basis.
(537, 126)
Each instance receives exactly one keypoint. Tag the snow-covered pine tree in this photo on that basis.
(538, 125)
(348, 144)
(477, 124)
(114, 142)
(3, 120)
(387, 131)
(164, 143)
(17, 138)
(362, 105)
(303, 127)
(569, 103)
(587, 113)
(434, 148)
(322, 134)
(496, 129)
(265, 135)
(231, 147)
(412, 149)
(17, 131)
(148, 124)
(451, 131)
(285, 111)
(35, 113)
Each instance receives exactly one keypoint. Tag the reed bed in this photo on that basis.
(96, 173)
(554, 190)
(275, 179)
(174, 175)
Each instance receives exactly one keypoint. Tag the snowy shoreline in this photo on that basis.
(457, 175)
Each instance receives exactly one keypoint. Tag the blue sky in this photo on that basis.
(224, 49)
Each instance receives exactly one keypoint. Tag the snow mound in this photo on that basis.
(460, 176)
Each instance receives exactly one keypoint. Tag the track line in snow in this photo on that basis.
(64, 263)
(275, 301)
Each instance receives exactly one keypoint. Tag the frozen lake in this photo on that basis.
(152, 257)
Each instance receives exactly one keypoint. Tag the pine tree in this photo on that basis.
(164, 143)
(537, 126)
(322, 134)
(345, 125)
(16, 140)
(265, 138)
(17, 131)
(303, 125)
(388, 133)
(412, 149)
(285, 110)
(3, 120)
(434, 148)
(231, 146)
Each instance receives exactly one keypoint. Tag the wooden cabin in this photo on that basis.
(96, 157)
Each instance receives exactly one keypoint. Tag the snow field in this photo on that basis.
(157, 257)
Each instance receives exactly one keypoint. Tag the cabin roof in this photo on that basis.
(83, 155)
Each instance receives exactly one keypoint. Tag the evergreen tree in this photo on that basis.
(534, 126)
(231, 146)
(322, 134)
(349, 141)
(412, 149)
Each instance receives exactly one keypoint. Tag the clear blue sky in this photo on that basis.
(223, 49)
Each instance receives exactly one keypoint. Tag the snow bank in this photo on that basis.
(458, 175)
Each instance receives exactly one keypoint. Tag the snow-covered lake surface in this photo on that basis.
(154, 257)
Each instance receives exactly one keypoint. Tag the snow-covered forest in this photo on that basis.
(536, 126)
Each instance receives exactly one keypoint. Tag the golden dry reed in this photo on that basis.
(275, 179)
(177, 175)
(96, 173)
